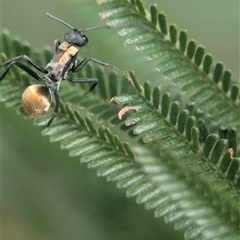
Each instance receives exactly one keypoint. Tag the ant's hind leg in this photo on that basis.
(23, 67)
(56, 109)
(26, 58)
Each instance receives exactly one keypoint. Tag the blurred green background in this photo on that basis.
(46, 194)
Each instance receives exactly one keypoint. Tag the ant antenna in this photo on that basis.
(97, 27)
(59, 20)
(66, 24)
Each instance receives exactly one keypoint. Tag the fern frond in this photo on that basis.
(162, 126)
(212, 92)
(184, 182)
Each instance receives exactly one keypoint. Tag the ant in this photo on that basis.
(37, 99)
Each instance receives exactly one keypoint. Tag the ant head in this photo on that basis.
(76, 37)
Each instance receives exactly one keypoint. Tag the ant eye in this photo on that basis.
(36, 100)
(86, 39)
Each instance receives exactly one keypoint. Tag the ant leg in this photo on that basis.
(28, 59)
(23, 67)
(83, 63)
(56, 45)
(55, 112)
(85, 80)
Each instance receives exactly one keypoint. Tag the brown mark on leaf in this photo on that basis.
(126, 109)
(99, 2)
(230, 150)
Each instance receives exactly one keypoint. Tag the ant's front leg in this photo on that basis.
(84, 62)
(57, 43)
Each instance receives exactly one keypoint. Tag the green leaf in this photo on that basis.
(189, 124)
(195, 138)
(162, 22)
(182, 40)
(140, 7)
(154, 14)
(233, 169)
(165, 104)
(217, 72)
(210, 142)
(156, 97)
(226, 80)
(174, 112)
(234, 92)
(207, 62)
(173, 33)
(147, 90)
(217, 151)
(199, 55)
(191, 48)
(182, 119)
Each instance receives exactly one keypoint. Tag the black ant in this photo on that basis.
(37, 99)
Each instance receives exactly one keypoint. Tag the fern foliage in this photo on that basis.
(174, 173)
(208, 85)
(165, 128)
(160, 153)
